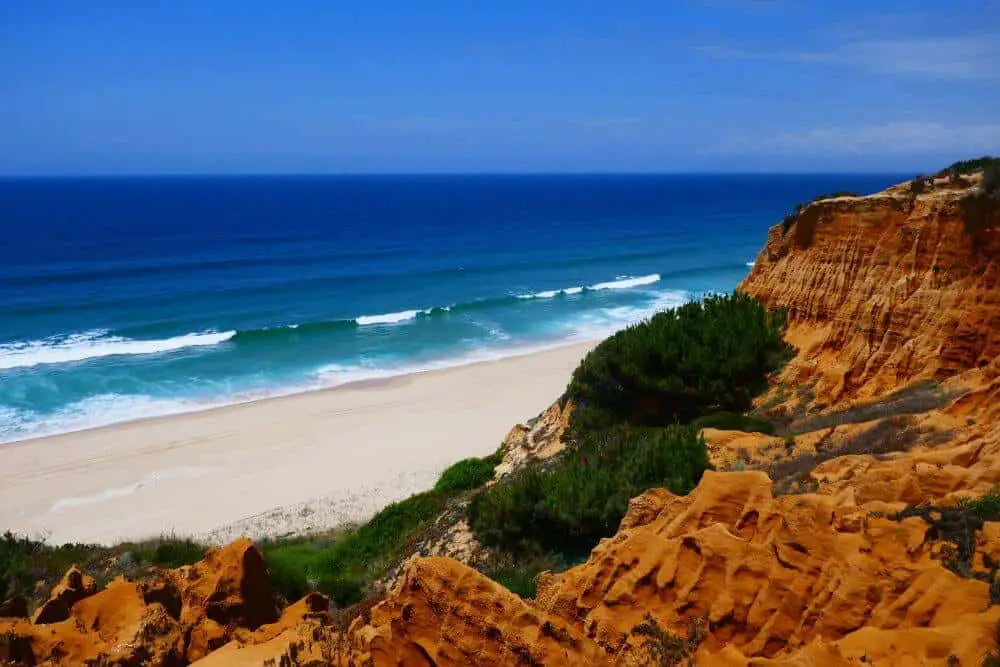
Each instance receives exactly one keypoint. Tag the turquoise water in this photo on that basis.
(125, 298)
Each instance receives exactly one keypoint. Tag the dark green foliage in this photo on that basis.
(787, 222)
(981, 207)
(959, 526)
(918, 185)
(342, 566)
(24, 561)
(566, 510)
(519, 574)
(971, 166)
(169, 552)
(731, 421)
(665, 649)
(987, 507)
(990, 185)
(467, 474)
(707, 356)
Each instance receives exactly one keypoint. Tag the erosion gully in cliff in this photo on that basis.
(816, 553)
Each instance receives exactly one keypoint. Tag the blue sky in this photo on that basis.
(237, 86)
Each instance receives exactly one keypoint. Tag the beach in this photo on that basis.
(276, 466)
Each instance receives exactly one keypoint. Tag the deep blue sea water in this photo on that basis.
(129, 297)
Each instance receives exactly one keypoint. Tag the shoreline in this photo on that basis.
(272, 466)
(197, 407)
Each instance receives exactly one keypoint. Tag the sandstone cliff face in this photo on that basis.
(881, 291)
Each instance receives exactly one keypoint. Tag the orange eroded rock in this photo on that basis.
(444, 613)
(770, 576)
(881, 291)
(75, 586)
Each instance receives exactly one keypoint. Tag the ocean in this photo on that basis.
(123, 298)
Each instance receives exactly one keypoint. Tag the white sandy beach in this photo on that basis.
(291, 464)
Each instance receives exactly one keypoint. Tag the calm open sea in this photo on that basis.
(129, 297)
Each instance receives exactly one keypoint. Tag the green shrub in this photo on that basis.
(467, 474)
(986, 507)
(169, 552)
(971, 166)
(981, 207)
(519, 575)
(566, 510)
(990, 185)
(24, 562)
(707, 356)
(918, 185)
(343, 566)
(730, 421)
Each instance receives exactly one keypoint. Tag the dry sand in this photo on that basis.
(276, 466)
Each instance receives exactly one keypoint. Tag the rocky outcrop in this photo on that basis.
(75, 586)
(176, 617)
(539, 440)
(771, 576)
(881, 291)
(444, 613)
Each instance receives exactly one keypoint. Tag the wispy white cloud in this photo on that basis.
(968, 57)
(893, 137)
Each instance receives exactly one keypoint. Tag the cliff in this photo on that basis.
(842, 540)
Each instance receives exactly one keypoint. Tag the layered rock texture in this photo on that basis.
(839, 541)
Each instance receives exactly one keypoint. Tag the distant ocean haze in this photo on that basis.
(123, 298)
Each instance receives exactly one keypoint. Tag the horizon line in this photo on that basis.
(342, 174)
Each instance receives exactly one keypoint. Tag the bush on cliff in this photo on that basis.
(981, 207)
(567, 509)
(467, 474)
(971, 166)
(702, 357)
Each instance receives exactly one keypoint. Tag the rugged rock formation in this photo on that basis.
(177, 617)
(538, 440)
(881, 291)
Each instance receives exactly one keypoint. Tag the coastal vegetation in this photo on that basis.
(567, 509)
(641, 398)
(467, 474)
(981, 206)
(684, 363)
(25, 563)
(961, 167)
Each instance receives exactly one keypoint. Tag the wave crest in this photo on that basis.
(94, 344)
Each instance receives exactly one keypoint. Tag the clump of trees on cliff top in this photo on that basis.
(981, 206)
(681, 364)
(971, 166)
(634, 392)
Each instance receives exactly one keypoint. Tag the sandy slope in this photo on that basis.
(309, 461)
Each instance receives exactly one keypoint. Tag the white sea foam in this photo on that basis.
(620, 282)
(93, 344)
(751, 264)
(628, 283)
(104, 409)
(99, 410)
(550, 294)
(389, 318)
